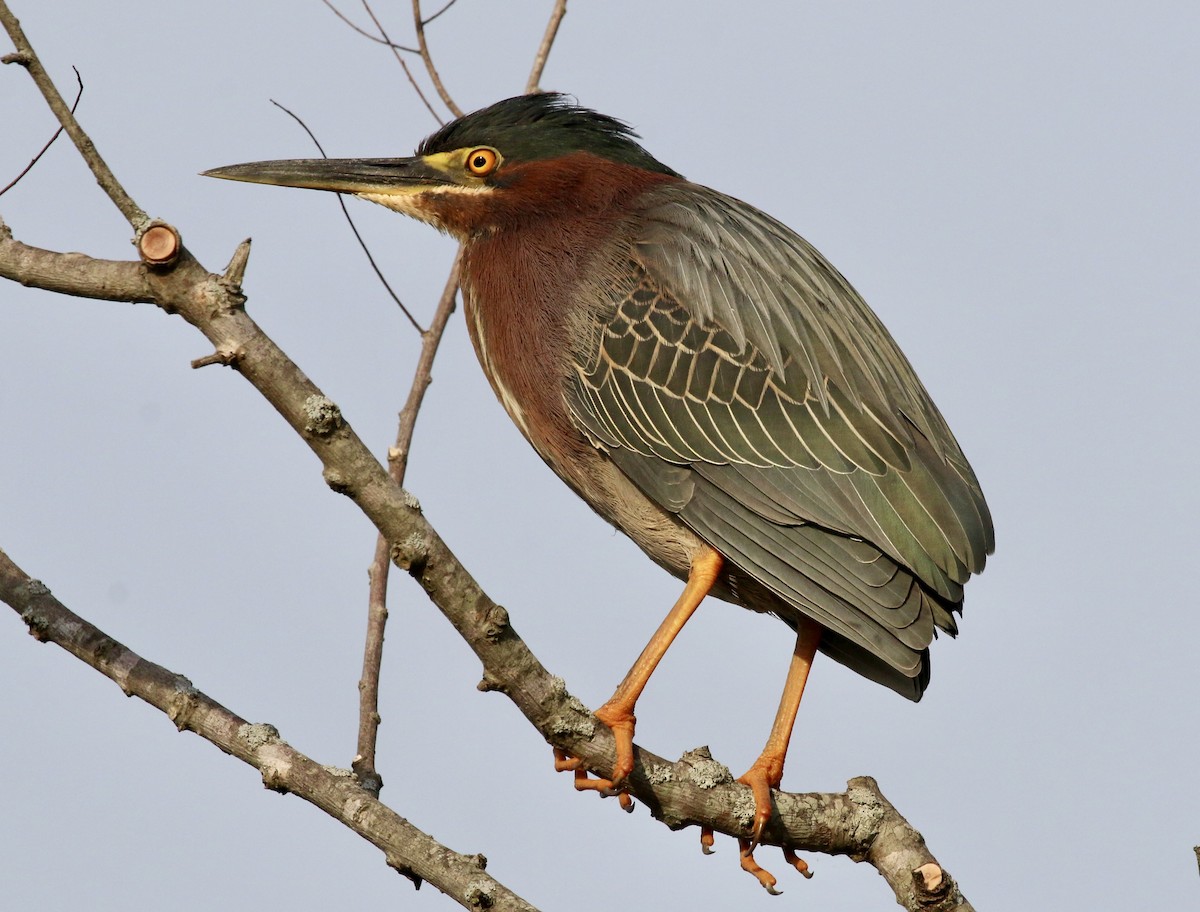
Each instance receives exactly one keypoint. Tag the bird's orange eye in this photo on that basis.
(482, 162)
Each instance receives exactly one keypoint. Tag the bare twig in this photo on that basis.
(423, 47)
(449, 4)
(27, 58)
(353, 227)
(412, 80)
(377, 613)
(29, 167)
(284, 769)
(362, 31)
(543, 51)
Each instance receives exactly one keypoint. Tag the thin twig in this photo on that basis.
(423, 47)
(412, 80)
(362, 31)
(377, 613)
(346, 212)
(29, 167)
(439, 12)
(28, 58)
(543, 51)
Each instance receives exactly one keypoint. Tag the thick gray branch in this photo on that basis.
(72, 273)
(283, 768)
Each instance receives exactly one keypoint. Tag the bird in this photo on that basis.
(708, 383)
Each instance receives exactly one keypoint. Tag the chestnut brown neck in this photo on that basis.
(536, 253)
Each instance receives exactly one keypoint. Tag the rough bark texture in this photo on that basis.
(284, 769)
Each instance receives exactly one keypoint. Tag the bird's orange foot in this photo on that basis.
(764, 775)
(765, 877)
(563, 762)
(621, 721)
(750, 866)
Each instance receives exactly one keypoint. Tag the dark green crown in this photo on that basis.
(540, 127)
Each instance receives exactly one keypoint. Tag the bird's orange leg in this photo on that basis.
(617, 713)
(767, 771)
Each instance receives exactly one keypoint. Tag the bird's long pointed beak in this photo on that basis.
(341, 175)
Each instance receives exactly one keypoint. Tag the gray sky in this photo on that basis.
(1011, 186)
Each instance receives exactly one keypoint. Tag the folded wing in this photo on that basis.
(742, 384)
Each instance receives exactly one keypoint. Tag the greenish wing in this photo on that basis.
(815, 460)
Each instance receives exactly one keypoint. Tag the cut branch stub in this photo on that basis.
(159, 244)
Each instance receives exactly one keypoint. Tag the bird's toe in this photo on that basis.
(750, 866)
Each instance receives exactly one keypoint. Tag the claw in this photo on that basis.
(750, 866)
(797, 862)
(706, 840)
(626, 801)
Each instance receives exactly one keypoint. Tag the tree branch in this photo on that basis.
(377, 612)
(412, 81)
(284, 769)
(72, 273)
(362, 31)
(28, 58)
(423, 48)
(543, 51)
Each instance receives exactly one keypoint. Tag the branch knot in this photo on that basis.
(323, 416)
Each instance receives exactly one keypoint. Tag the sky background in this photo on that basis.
(1013, 187)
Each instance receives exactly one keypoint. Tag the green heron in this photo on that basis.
(707, 383)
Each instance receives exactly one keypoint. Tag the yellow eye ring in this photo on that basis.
(482, 162)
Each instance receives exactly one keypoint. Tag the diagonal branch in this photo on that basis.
(423, 48)
(284, 769)
(26, 57)
(445, 7)
(543, 51)
(412, 80)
